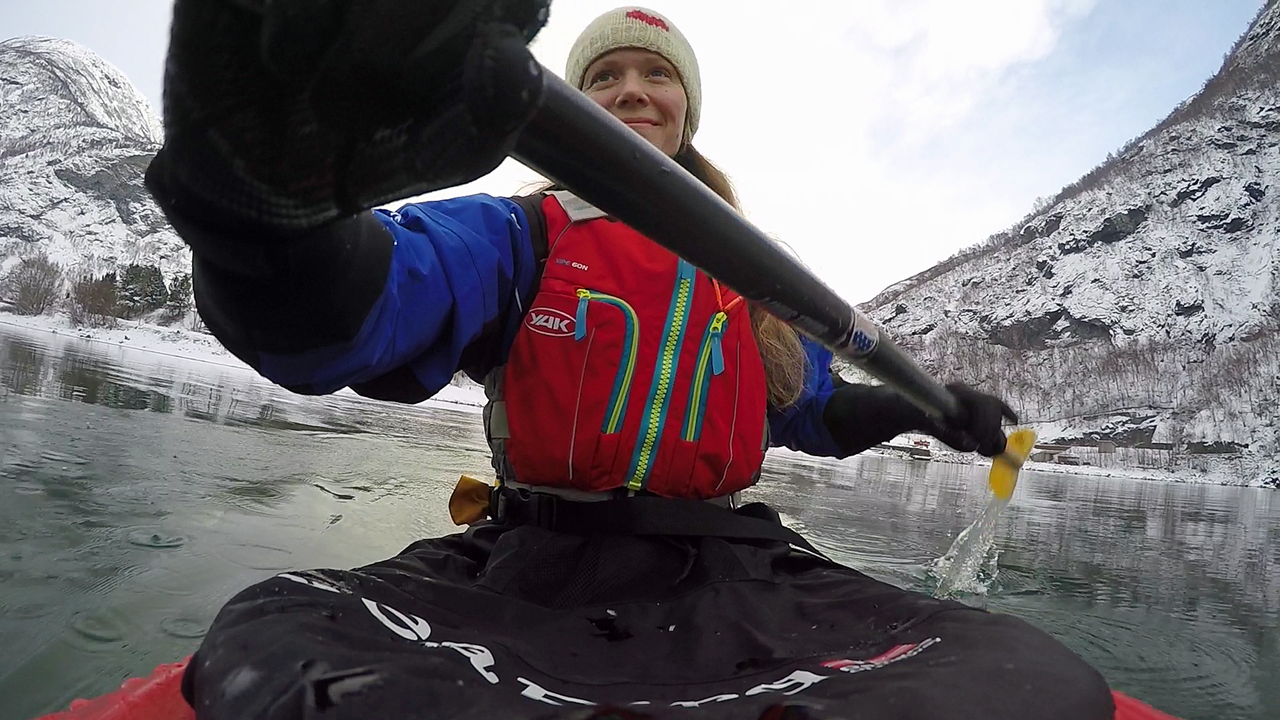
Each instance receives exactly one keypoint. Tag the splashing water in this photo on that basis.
(970, 565)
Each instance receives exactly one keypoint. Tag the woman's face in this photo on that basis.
(641, 89)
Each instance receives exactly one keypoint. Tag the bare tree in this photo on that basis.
(93, 302)
(32, 285)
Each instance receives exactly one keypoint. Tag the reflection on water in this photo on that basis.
(138, 493)
(74, 372)
(1172, 591)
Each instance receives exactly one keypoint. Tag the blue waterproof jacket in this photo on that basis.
(461, 274)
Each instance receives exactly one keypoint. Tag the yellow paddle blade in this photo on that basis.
(469, 502)
(1005, 466)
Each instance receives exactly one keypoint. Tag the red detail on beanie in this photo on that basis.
(648, 19)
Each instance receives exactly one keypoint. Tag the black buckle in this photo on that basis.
(509, 506)
(498, 505)
(542, 510)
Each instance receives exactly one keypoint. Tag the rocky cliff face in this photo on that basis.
(75, 140)
(1143, 302)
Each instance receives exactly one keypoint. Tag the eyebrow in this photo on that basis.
(612, 63)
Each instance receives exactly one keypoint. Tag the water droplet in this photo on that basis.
(29, 612)
(337, 495)
(183, 628)
(98, 628)
(143, 537)
(256, 557)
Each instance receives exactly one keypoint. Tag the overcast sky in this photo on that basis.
(875, 137)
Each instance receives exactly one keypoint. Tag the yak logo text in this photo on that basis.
(549, 321)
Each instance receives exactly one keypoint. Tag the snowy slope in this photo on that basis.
(75, 140)
(1142, 303)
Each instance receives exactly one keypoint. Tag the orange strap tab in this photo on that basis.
(720, 297)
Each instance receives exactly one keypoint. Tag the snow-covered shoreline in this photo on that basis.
(1235, 473)
(1219, 477)
(183, 345)
(175, 342)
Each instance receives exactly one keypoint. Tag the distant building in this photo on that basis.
(1046, 452)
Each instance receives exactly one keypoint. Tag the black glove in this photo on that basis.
(978, 429)
(862, 416)
(283, 115)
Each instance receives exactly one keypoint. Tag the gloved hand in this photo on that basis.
(978, 430)
(862, 416)
(283, 115)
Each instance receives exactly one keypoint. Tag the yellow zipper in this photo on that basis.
(616, 409)
(713, 355)
(664, 376)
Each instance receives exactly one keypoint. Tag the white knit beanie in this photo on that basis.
(637, 27)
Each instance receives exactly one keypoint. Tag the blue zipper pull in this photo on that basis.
(686, 270)
(580, 320)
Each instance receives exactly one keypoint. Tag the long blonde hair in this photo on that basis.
(779, 345)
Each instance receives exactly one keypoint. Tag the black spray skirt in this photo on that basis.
(503, 622)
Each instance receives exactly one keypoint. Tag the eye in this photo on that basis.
(602, 76)
(660, 72)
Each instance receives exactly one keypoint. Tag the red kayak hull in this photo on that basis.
(1129, 709)
(155, 697)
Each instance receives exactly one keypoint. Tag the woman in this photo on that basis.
(631, 397)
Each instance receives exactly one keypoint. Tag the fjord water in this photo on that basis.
(138, 492)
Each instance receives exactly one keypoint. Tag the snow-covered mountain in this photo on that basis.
(75, 141)
(1141, 305)
(1143, 302)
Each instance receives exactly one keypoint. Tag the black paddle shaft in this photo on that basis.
(578, 144)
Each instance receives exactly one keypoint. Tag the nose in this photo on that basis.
(632, 91)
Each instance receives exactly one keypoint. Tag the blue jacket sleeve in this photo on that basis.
(460, 270)
(800, 426)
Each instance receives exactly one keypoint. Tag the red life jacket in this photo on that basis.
(631, 369)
